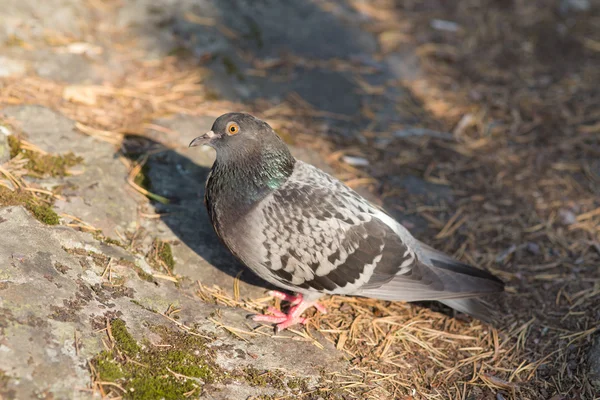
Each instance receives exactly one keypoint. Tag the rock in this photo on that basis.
(566, 216)
(593, 361)
(443, 25)
(72, 68)
(99, 194)
(23, 21)
(49, 130)
(4, 147)
(10, 67)
(55, 297)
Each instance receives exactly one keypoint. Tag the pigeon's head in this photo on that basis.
(236, 131)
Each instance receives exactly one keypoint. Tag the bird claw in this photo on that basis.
(293, 300)
(283, 320)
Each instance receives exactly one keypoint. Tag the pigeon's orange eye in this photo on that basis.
(232, 128)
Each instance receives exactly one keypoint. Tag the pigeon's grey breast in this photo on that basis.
(314, 234)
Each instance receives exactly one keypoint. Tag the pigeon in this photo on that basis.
(308, 233)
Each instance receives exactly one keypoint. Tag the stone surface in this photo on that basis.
(27, 20)
(72, 68)
(10, 67)
(59, 40)
(4, 147)
(98, 193)
(53, 292)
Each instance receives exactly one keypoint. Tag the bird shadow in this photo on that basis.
(181, 181)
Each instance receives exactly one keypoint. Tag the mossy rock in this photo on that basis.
(40, 210)
(162, 251)
(182, 365)
(40, 165)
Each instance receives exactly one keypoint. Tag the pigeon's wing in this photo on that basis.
(319, 235)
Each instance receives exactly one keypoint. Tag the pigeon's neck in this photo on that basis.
(238, 182)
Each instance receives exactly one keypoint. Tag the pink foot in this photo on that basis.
(294, 314)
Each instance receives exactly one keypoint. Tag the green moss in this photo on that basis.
(157, 387)
(164, 253)
(297, 384)
(15, 146)
(275, 379)
(40, 165)
(125, 342)
(256, 377)
(3, 379)
(40, 210)
(44, 213)
(183, 365)
(179, 361)
(108, 369)
(138, 270)
(106, 240)
(142, 179)
(145, 307)
(143, 275)
(5, 392)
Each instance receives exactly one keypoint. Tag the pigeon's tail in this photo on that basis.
(436, 276)
(469, 279)
(474, 307)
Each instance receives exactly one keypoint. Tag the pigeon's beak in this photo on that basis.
(204, 139)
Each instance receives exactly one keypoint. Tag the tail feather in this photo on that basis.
(437, 276)
(473, 307)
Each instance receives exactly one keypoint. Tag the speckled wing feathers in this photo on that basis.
(319, 235)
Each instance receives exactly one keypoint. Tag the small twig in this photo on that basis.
(76, 342)
(185, 327)
(181, 376)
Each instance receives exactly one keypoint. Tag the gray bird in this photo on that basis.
(306, 232)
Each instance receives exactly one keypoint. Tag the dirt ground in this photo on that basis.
(476, 123)
(516, 83)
